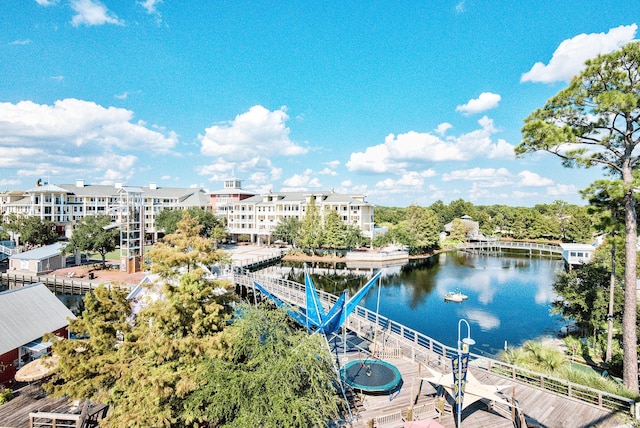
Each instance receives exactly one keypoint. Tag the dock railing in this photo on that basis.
(496, 245)
(423, 349)
(57, 284)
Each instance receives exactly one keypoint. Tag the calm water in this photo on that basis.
(509, 299)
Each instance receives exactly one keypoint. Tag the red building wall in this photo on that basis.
(8, 361)
(7, 367)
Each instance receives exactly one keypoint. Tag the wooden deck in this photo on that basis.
(32, 407)
(540, 408)
(58, 285)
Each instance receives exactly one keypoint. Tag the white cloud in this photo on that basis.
(562, 190)
(332, 164)
(443, 128)
(518, 194)
(570, 56)
(76, 138)
(416, 149)
(486, 101)
(20, 42)
(327, 171)
(57, 78)
(11, 157)
(122, 96)
(218, 170)
(260, 171)
(256, 133)
(78, 123)
(408, 179)
(150, 5)
(374, 159)
(489, 175)
(301, 182)
(531, 179)
(348, 187)
(92, 12)
(47, 2)
(9, 182)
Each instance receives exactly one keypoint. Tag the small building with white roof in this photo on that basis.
(577, 254)
(38, 261)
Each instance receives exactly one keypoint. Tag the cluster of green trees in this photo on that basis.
(211, 226)
(586, 294)
(93, 234)
(32, 230)
(313, 233)
(192, 356)
(420, 228)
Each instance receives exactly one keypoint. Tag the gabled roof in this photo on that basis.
(47, 188)
(577, 247)
(41, 253)
(322, 197)
(28, 313)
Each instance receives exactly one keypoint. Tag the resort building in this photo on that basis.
(248, 214)
(222, 201)
(257, 216)
(66, 204)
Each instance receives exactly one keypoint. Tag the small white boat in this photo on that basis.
(455, 296)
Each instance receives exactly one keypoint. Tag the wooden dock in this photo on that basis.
(498, 247)
(58, 285)
(543, 401)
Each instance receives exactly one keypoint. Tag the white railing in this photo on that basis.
(8, 250)
(531, 246)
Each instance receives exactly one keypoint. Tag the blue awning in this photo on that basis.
(37, 346)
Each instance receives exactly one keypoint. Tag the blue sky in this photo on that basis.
(404, 102)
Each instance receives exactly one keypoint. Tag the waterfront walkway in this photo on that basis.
(496, 247)
(542, 401)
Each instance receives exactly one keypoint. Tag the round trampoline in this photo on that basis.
(371, 376)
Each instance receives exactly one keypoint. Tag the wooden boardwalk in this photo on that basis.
(496, 247)
(540, 408)
(57, 285)
(544, 401)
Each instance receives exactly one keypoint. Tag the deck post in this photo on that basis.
(569, 391)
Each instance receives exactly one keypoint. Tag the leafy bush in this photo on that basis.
(5, 395)
(538, 357)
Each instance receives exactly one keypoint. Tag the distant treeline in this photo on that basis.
(558, 221)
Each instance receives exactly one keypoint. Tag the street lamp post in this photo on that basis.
(463, 347)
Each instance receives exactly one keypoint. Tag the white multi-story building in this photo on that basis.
(66, 204)
(247, 214)
(257, 216)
